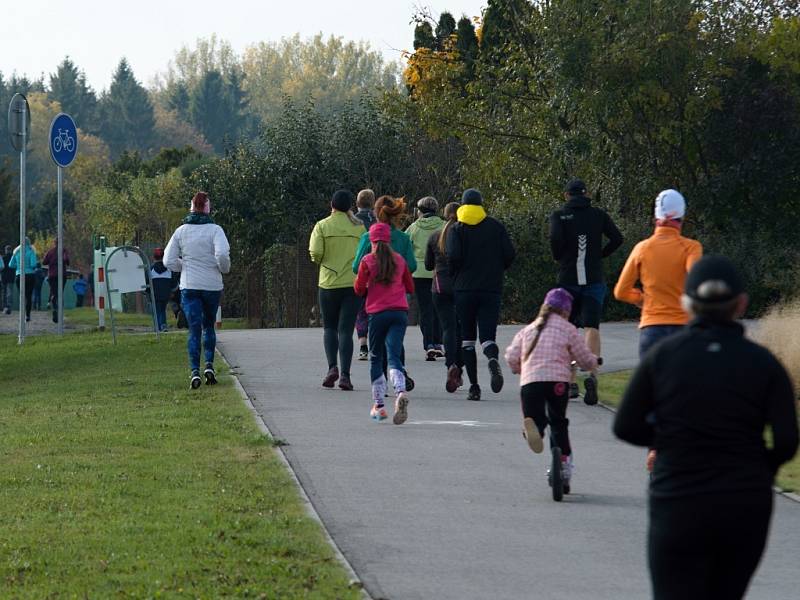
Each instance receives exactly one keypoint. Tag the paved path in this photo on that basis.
(453, 504)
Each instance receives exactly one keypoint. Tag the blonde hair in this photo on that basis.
(365, 199)
(538, 325)
(451, 214)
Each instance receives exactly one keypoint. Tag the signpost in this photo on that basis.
(19, 129)
(63, 148)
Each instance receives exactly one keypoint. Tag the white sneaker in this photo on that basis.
(532, 435)
(400, 409)
(567, 468)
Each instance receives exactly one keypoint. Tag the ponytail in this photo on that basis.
(538, 325)
(386, 264)
(354, 219)
(451, 214)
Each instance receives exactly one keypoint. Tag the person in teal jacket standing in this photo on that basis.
(333, 246)
(28, 268)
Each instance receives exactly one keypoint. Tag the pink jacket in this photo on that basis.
(384, 296)
(559, 344)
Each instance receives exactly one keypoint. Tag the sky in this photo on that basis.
(35, 35)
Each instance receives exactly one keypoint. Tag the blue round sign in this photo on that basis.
(63, 140)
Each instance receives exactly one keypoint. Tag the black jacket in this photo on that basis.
(164, 281)
(367, 217)
(437, 262)
(702, 398)
(576, 240)
(7, 275)
(478, 255)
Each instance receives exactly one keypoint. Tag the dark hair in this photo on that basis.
(390, 210)
(386, 265)
(451, 214)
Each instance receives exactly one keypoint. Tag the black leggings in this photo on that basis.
(428, 321)
(445, 305)
(546, 403)
(707, 545)
(339, 308)
(30, 282)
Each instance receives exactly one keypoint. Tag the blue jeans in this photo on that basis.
(200, 308)
(386, 332)
(651, 335)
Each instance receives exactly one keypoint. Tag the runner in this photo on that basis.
(391, 211)
(660, 263)
(25, 268)
(385, 274)
(576, 241)
(332, 246)
(542, 354)
(364, 202)
(703, 398)
(420, 232)
(479, 251)
(444, 299)
(200, 251)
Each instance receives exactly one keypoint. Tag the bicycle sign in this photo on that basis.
(63, 140)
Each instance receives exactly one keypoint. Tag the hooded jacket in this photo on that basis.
(576, 241)
(479, 250)
(367, 217)
(31, 260)
(163, 281)
(332, 246)
(420, 232)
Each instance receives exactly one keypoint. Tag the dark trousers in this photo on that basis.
(428, 321)
(53, 283)
(546, 403)
(478, 313)
(30, 281)
(445, 305)
(651, 335)
(79, 301)
(707, 545)
(161, 314)
(339, 308)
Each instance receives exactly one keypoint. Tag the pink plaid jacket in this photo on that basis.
(559, 344)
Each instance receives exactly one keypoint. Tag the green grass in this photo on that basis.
(118, 481)
(612, 386)
(87, 317)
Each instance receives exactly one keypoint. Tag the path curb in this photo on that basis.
(355, 580)
(789, 495)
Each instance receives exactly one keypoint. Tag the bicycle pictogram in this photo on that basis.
(63, 141)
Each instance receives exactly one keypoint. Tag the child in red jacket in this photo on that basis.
(385, 274)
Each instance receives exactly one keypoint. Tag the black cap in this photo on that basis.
(575, 187)
(714, 279)
(471, 196)
(342, 200)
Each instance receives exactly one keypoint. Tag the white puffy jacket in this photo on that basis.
(201, 254)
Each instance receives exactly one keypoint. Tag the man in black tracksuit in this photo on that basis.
(577, 230)
(479, 250)
(702, 399)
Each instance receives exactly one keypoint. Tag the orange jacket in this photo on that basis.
(660, 264)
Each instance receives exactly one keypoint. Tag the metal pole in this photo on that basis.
(60, 293)
(23, 156)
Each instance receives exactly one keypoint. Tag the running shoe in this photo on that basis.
(453, 377)
(497, 375)
(439, 351)
(363, 354)
(567, 469)
(195, 382)
(574, 391)
(331, 378)
(345, 383)
(410, 385)
(590, 385)
(400, 409)
(378, 413)
(532, 436)
(474, 392)
(430, 355)
(210, 374)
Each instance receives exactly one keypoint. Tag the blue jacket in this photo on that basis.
(31, 260)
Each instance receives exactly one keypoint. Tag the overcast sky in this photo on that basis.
(35, 35)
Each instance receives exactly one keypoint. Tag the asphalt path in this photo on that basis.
(453, 504)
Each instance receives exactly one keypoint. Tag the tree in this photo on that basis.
(423, 36)
(127, 119)
(444, 29)
(69, 88)
(210, 109)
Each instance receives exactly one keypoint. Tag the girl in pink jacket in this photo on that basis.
(542, 355)
(385, 274)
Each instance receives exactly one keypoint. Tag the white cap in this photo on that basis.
(670, 205)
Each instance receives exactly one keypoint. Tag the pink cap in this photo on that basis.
(380, 232)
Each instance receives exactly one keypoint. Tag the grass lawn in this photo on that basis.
(87, 317)
(118, 481)
(612, 386)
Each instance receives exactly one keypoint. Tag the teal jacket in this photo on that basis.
(401, 244)
(31, 260)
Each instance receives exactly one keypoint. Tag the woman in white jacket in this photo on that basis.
(200, 251)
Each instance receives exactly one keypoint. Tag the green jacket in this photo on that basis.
(420, 232)
(401, 244)
(332, 246)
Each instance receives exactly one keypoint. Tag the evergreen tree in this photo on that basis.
(210, 109)
(127, 120)
(467, 45)
(178, 99)
(237, 103)
(68, 87)
(444, 29)
(423, 36)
